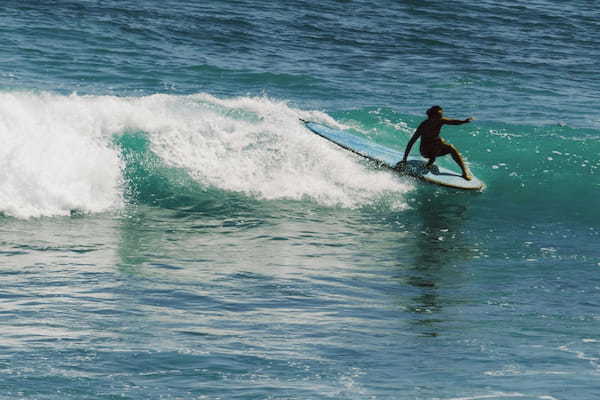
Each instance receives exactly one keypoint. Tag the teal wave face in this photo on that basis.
(148, 179)
(528, 169)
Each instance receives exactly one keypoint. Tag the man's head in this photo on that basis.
(435, 112)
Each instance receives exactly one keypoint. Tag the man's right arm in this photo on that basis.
(410, 144)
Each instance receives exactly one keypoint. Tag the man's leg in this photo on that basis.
(430, 162)
(457, 157)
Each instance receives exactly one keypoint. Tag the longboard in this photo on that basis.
(389, 158)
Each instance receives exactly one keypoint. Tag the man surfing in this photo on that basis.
(432, 145)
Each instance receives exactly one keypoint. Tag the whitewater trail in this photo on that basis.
(59, 152)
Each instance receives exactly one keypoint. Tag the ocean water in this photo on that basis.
(170, 230)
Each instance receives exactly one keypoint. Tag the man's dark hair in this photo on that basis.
(433, 110)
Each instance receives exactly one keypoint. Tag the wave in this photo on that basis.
(98, 153)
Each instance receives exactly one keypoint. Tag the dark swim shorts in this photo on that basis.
(434, 148)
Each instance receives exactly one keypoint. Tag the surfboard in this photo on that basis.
(389, 158)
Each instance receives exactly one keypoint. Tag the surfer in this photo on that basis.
(432, 145)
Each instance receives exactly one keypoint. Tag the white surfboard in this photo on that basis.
(389, 158)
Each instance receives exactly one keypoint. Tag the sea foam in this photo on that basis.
(59, 153)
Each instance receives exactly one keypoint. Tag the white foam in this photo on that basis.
(57, 153)
(54, 157)
(269, 155)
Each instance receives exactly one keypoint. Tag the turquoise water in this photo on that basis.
(170, 230)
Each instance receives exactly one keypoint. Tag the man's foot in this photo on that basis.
(467, 176)
(432, 168)
(401, 166)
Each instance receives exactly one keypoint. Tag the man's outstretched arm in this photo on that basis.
(447, 121)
